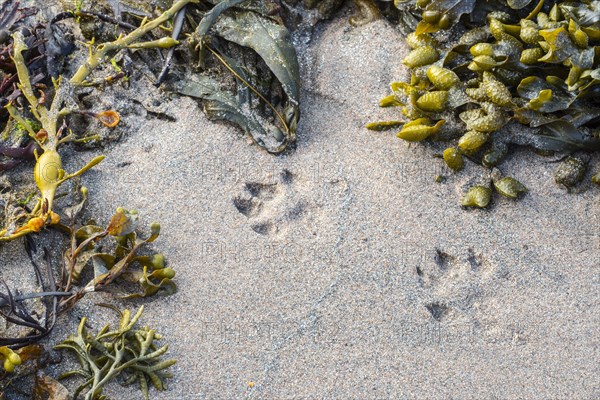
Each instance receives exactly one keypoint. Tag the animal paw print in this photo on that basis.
(251, 203)
(269, 206)
(450, 282)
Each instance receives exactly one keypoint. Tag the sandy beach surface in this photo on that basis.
(341, 269)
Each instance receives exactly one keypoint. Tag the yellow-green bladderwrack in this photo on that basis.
(501, 74)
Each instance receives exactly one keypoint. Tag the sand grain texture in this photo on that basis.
(341, 269)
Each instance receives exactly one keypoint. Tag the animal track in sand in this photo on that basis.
(269, 207)
(450, 282)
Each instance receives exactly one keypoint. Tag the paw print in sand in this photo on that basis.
(270, 206)
(450, 282)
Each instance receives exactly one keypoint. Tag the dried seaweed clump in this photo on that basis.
(521, 73)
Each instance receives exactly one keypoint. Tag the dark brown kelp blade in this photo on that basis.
(227, 25)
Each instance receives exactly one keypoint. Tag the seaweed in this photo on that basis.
(240, 62)
(85, 242)
(129, 352)
(522, 73)
(15, 311)
(36, 116)
(227, 32)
